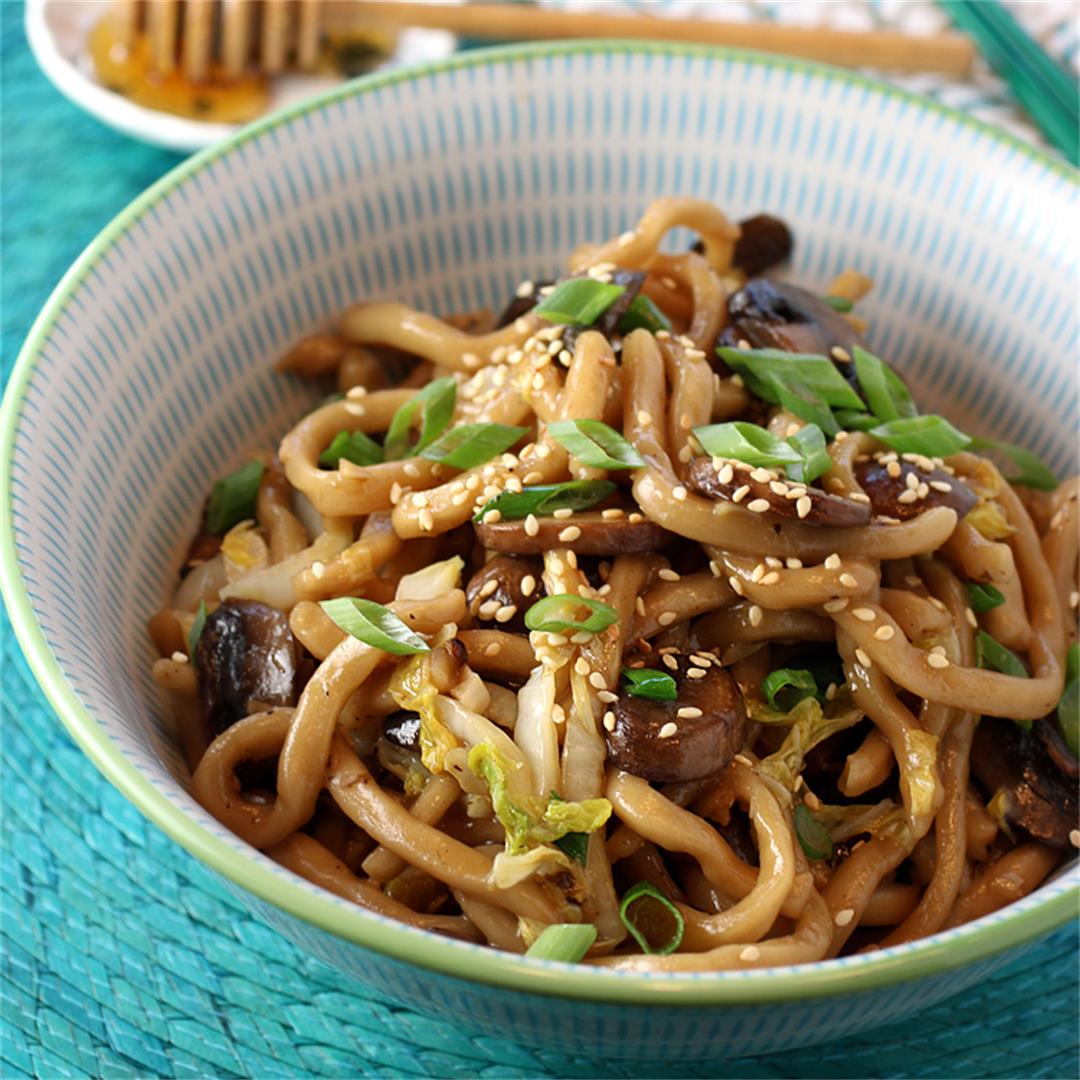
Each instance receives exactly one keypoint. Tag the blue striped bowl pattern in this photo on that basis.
(149, 374)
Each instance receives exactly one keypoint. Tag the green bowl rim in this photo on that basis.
(927, 957)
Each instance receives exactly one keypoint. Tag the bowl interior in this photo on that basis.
(149, 374)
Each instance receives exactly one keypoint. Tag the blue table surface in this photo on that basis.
(123, 956)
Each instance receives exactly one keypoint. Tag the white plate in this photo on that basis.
(58, 31)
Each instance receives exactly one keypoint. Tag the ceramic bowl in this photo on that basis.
(148, 374)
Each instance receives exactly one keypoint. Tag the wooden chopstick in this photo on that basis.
(950, 54)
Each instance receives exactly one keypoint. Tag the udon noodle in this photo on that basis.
(652, 607)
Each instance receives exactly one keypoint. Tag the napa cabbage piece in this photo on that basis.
(412, 689)
(884, 819)
(244, 551)
(530, 821)
(919, 775)
(989, 521)
(509, 870)
(808, 725)
(432, 582)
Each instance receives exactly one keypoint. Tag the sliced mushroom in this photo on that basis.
(766, 491)
(503, 589)
(664, 741)
(587, 533)
(402, 728)
(522, 304)
(776, 315)
(909, 490)
(764, 242)
(246, 653)
(1036, 773)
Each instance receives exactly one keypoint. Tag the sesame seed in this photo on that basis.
(636, 518)
(493, 517)
(893, 469)
(775, 563)
(644, 418)
(411, 470)
(492, 649)
(884, 633)
(609, 721)
(701, 659)
(318, 568)
(725, 474)
(755, 615)
(607, 697)
(913, 581)
(506, 613)
(736, 585)
(864, 614)
(778, 487)
(528, 585)
(696, 673)
(581, 666)
(762, 476)
(840, 436)
(715, 568)
(935, 602)
(971, 620)
(598, 681)
(570, 534)
(626, 237)
(639, 605)
(666, 618)
(811, 800)
(354, 408)
(526, 288)
(833, 606)
(849, 581)
(680, 493)
(669, 575)
(936, 660)
(758, 506)
(670, 662)
(750, 954)
(758, 572)
(563, 513)
(532, 526)
(841, 354)
(911, 481)
(488, 608)
(533, 477)
(831, 691)
(427, 520)
(859, 497)
(863, 658)
(908, 496)
(612, 513)
(668, 730)
(803, 506)
(488, 588)
(842, 918)
(794, 564)
(742, 759)
(688, 712)
(771, 578)
(1074, 838)
(179, 657)
(740, 493)
(941, 485)
(558, 714)
(1057, 520)
(832, 562)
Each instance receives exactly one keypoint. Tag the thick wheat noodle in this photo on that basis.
(1008, 623)
(634, 250)
(855, 881)
(627, 579)
(314, 629)
(914, 614)
(498, 652)
(652, 816)
(840, 479)
(867, 766)
(351, 490)
(808, 587)
(187, 715)
(710, 298)
(273, 509)
(455, 864)
(178, 678)
(751, 917)
(664, 293)
(809, 941)
(431, 338)
(690, 402)
(309, 859)
(498, 926)
(728, 525)
(361, 367)
(890, 904)
(347, 573)
(734, 625)
(980, 827)
(874, 694)
(585, 394)
(850, 285)
(730, 397)
(973, 689)
(692, 595)
(979, 559)
(1012, 876)
(1061, 549)
(950, 824)
(439, 794)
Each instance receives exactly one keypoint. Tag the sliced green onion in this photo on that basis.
(555, 615)
(568, 942)
(374, 625)
(196, 630)
(886, 394)
(1033, 473)
(595, 444)
(983, 597)
(653, 912)
(746, 442)
(813, 837)
(544, 499)
(643, 314)
(786, 687)
(838, 303)
(994, 656)
(353, 446)
(773, 368)
(931, 436)
(650, 683)
(435, 403)
(809, 443)
(1068, 710)
(469, 445)
(798, 398)
(578, 301)
(233, 498)
(850, 420)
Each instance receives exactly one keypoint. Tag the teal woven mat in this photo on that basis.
(122, 956)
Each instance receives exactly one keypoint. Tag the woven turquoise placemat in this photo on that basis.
(122, 956)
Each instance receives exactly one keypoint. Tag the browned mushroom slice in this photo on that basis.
(1034, 773)
(776, 315)
(692, 737)
(764, 242)
(502, 590)
(765, 491)
(246, 653)
(587, 533)
(900, 489)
